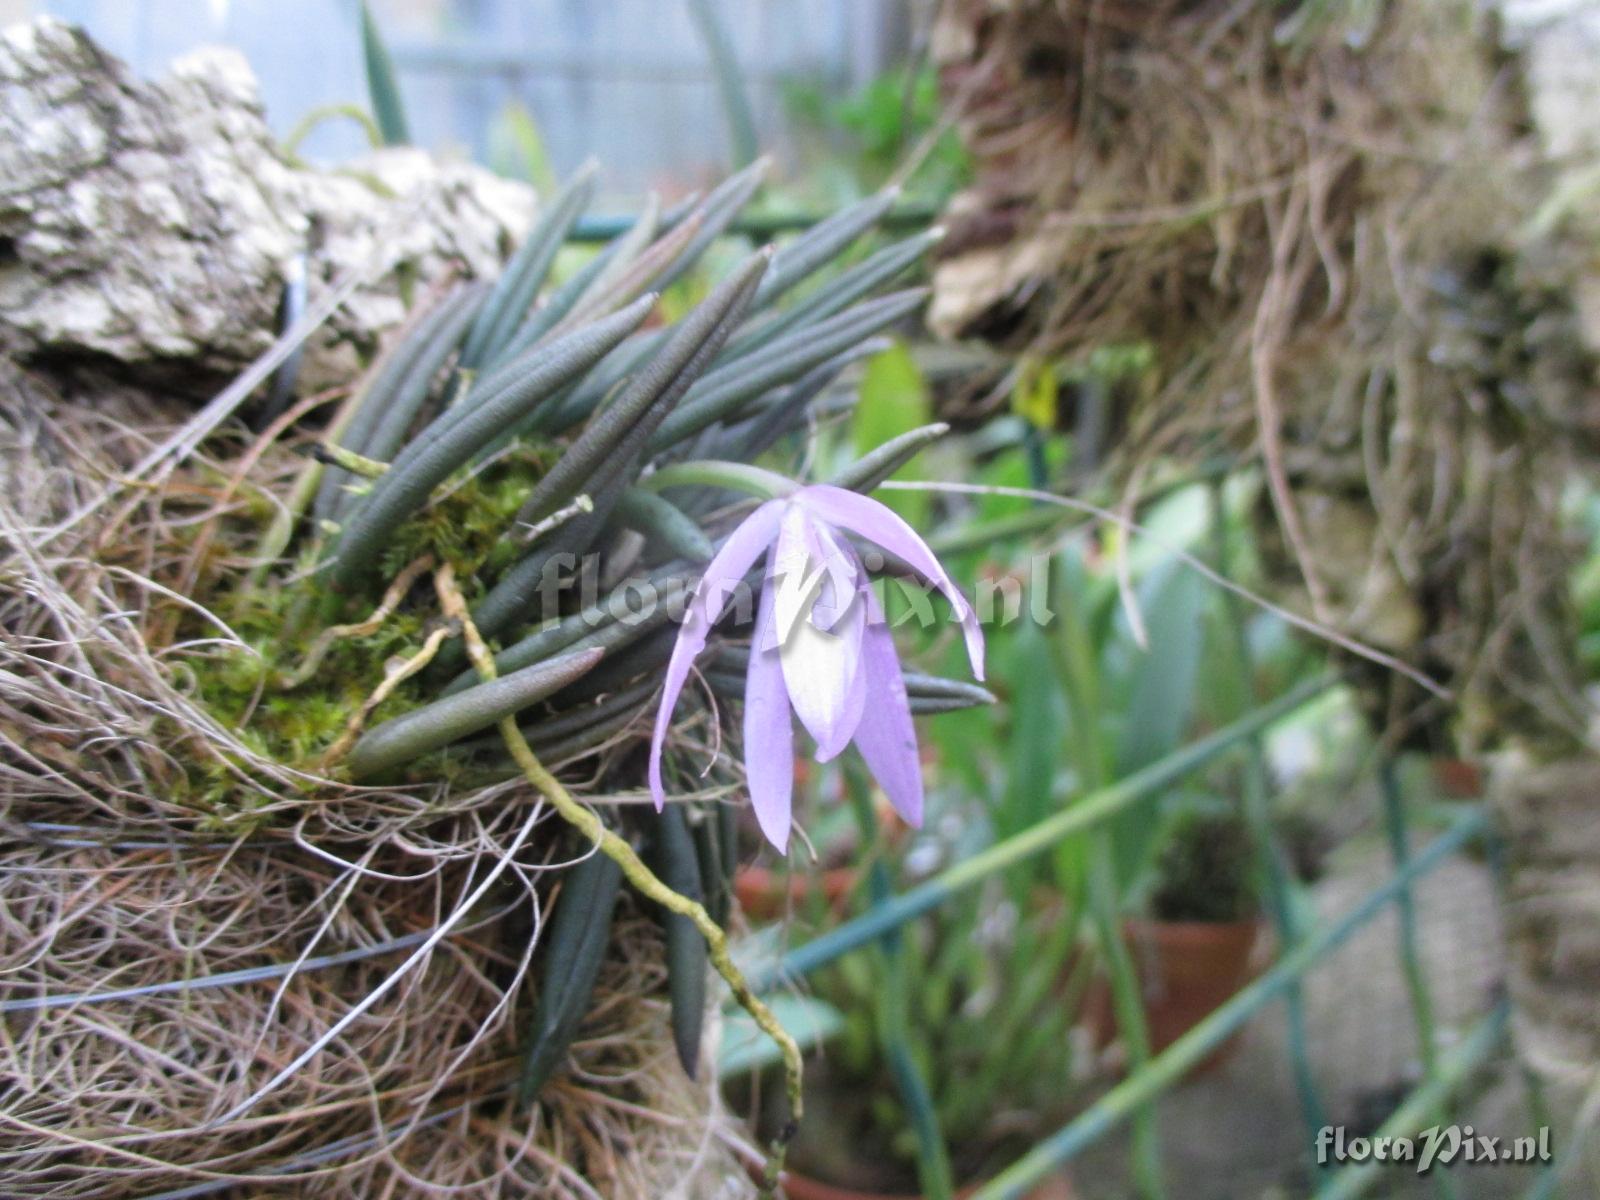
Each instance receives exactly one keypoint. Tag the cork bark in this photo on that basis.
(154, 224)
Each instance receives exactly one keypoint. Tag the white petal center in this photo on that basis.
(818, 622)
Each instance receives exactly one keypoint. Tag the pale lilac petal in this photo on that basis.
(854, 613)
(792, 573)
(818, 668)
(855, 703)
(842, 576)
(867, 518)
(768, 735)
(885, 736)
(724, 572)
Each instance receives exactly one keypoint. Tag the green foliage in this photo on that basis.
(745, 1048)
(731, 88)
(893, 401)
(875, 128)
(674, 858)
(973, 1008)
(465, 524)
(579, 934)
(1207, 870)
(471, 466)
(1585, 581)
(517, 149)
(383, 91)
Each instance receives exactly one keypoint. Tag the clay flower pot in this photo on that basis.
(766, 894)
(1186, 970)
(1458, 778)
(796, 1186)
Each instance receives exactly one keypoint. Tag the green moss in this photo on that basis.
(466, 526)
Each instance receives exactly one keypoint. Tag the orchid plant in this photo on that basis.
(518, 445)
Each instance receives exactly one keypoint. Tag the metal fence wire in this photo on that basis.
(1445, 1071)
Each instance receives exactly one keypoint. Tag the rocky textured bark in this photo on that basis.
(154, 222)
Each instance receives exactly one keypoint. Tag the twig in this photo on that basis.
(527, 534)
(620, 852)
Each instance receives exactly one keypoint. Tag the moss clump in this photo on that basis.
(257, 694)
(467, 522)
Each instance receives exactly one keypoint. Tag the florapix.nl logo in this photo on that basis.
(1438, 1145)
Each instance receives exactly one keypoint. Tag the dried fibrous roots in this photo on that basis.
(1314, 230)
(1553, 917)
(271, 979)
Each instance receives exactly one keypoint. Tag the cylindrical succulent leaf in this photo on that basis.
(872, 468)
(397, 417)
(677, 863)
(594, 628)
(665, 524)
(424, 730)
(430, 459)
(787, 410)
(836, 295)
(525, 273)
(402, 376)
(725, 391)
(665, 378)
(713, 216)
(577, 938)
(822, 243)
(611, 448)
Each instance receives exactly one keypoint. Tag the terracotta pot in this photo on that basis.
(762, 893)
(1187, 969)
(797, 1186)
(764, 896)
(1458, 778)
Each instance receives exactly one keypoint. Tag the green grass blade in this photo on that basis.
(383, 91)
(730, 80)
(1089, 811)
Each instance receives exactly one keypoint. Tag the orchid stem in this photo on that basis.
(633, 869)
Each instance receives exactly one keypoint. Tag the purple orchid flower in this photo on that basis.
(821, 647)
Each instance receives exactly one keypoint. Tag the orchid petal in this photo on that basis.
(818, 668)
(853, 706)
(768, 735)
(845, 598)
(791, 573)
(842, 574)
(867, 518)
(885, 735)
(723, 574)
